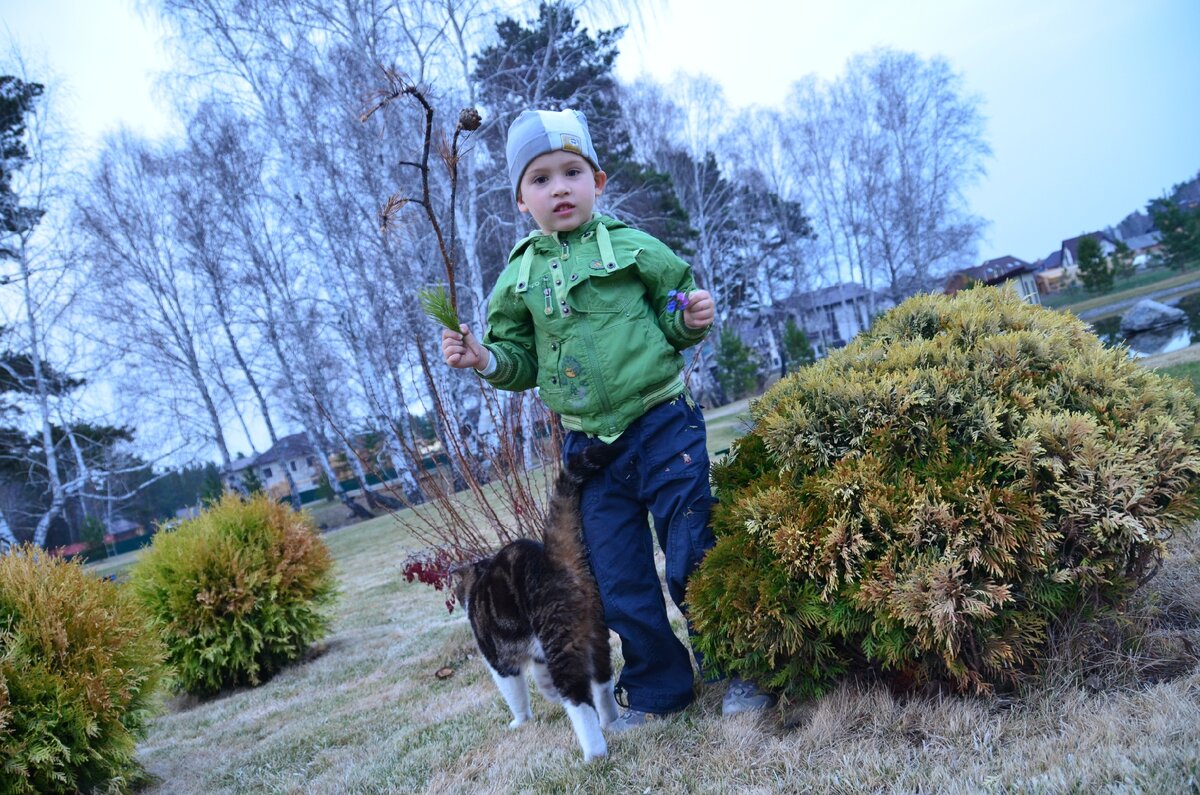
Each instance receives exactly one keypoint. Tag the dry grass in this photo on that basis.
(726, 423)
(1181, 356)
(366, 714)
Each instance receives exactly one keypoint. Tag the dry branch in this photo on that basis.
(486, 491)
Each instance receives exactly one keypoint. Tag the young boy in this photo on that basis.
(588, 310)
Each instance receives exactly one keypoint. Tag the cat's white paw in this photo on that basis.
(594, 755)
(586, 724)
(518, 720)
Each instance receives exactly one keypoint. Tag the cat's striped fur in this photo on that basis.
(534, 608)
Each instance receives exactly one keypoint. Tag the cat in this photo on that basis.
(535, 607)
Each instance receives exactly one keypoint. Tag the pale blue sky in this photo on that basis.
(1093, 107)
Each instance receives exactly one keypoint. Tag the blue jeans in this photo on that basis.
(662, 471)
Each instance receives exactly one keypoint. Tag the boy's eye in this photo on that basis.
(574, 172)
(538, 180)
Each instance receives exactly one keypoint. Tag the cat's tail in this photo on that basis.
(594, 459)
(562, 532)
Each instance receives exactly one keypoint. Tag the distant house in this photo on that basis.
(238, 473)
(760, 334)
(1149, 242)
(1144, 247)
(290, 454)
(1009, 270)
(1070, 247)
(1060, 269)
(1050, 274)
(120, 535)
(1051, 260)
(832, 316)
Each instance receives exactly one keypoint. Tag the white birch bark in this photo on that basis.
(7, 539)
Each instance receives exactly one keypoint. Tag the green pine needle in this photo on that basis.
(436, 303)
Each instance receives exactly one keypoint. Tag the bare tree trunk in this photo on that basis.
(300, 400)
(58, 495)
(360, 474)
(331, 476)
(7, 539)
(223, 316)
(404, 440)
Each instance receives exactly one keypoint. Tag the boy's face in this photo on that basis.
(559, 190)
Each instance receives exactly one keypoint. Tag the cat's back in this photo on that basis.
(505, 590)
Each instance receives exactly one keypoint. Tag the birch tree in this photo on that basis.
(35, 269)
(147, 291)
(211, 232)
(884, 154)
(60, 453)
(327, 175)
(749, 239)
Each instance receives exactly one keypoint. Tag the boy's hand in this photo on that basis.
(462, 349)
(700, 309)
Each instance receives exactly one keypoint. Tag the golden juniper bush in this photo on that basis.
(238, 592)
(929, 499)
(78, 673)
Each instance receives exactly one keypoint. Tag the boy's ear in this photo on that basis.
(521, 205)
(601, 181)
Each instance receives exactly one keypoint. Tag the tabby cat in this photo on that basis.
(534, 607)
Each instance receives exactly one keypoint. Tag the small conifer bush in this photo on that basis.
(78, 673)
(929, 500)
(238, 592)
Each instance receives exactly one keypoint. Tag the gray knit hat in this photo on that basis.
(536, 132)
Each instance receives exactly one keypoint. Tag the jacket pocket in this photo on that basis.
(563, 378)
(608, 291)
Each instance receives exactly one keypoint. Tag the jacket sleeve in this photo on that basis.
(662, 271)
(510, 339)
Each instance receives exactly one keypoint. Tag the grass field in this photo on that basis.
(1077, 298)
(367, 714)
(1117, 711)
(1186, 370)
(725, 424)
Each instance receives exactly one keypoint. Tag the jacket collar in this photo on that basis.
(549, 242)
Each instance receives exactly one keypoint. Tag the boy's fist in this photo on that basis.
(700, 309)
(462, 349)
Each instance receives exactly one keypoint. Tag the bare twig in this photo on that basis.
(511, 465)
(468, 121)
(457, 528)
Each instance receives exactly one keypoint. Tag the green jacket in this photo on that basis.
(582, 316)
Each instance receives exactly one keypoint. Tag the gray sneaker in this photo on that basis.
(629, 719)
(743, 696)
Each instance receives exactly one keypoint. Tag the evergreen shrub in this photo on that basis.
(927, 501)
(238, 592)
(78, 672)
(737, 367)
